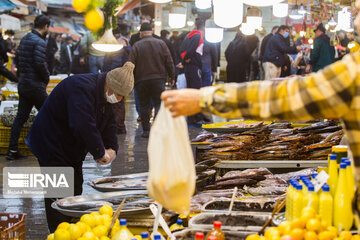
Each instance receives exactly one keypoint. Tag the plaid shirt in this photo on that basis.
(330, 93)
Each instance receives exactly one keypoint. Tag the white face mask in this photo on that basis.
(112, 98)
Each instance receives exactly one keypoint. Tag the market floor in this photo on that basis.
(131, 158)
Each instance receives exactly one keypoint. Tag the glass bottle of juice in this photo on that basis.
(326, 204)
(289, 195)
(350, 178)
(340, 151)
(333, 174)
(297, 202)
(123, 233)
(199, 236)
(216, 231)
(176, 226)
(145, 236)
(343, 215)
(311, 198)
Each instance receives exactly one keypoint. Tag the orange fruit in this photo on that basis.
(94, 20)
(253, 237)
(345, 235)
(297, 234)
(310, 235)
(313, 225)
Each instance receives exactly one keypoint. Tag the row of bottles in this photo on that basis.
(333, 202)
(214, 234)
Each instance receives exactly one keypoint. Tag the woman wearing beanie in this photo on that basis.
(77, 118)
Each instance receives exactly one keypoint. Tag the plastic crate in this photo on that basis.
(6, 94)
(12, 226)
(5, 135)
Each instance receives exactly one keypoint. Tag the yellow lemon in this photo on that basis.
(297, 234)
(308, 211)
(106, 210)
(98, 220)
(81, 5)
(345, 235)
(94, 20)
(114, 230)
(313, 225)
(94, 214)
(283, 227)
(89, 236)
(106, 218)
(333, 230)
(253, 237)
(63, 225)
(88, 220)
(271, 233)
(75, 231)
(50, 237)
(61, 234)
(104, 238)
(326, 235)
(297, 223)
(83, 227)
(100, 230)
(355, 237)
(310, 236)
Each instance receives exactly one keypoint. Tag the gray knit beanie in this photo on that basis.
(121, 80)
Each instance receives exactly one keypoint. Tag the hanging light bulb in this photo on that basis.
(254, 17)
(294, 14)
(213, 33)
(160, 1)
(262, 3)
(311, 41)
(228, 13)
(302, 10)
(281, 10)
(246, 29)
(177, 15)
(107, 43)
(190, 23)
(203, 4)
(157, 22)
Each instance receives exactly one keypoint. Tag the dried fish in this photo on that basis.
(226, 149)
(244, 125)
(288, 176)
(317, 125)
(238, 182)
(263, 191)
(200, 168)
(210, 163)
(245, 173)
(328, 129)
(203, 137)
(84, 205)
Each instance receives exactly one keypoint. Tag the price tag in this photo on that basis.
(320, 180)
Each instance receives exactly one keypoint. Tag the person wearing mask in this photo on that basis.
(90, 55)
(77, 118)
(275, 51)
(191, 54)
(238, 57)
(51, 49)
(323, 54)
(263, 45)
(66, 56)
(152, 60)
(33, 79)
(112, 61)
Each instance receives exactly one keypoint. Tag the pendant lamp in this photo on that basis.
(246, 29)
(254, 17)
(281, 10)
(107, 43)
(228, 13)
(294, 14)
(344, 19)
(177, 15)
(160, 1)
(213, 33)
(203, 4)
(261, 3)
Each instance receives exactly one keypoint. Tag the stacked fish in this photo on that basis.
(278, 141)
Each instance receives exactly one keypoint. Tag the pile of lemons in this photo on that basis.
(93, 226)
(94, 18)
(308, 227)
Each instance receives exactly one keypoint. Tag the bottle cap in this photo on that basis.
(217, 224)
(157, 237)
(348, 163)
(302, 177)
(343, 165)
(339, 148)
(179, 221)
(326, 188)
(211, 238)
(311, 187)
(199, 235)
(123, 222)
(314, 175)
(299, 187)
(144, 235)
(344, 159)
(332, 157)
(134, 239)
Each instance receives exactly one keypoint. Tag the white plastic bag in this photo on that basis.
(171, 180)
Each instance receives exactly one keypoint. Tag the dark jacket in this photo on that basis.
(51, 49)
(65, 60)
(116, 59)
(136, 37)
(152, 60)
(192, 48)
(171, 48)
(3, 56)
(264, 42)
(276, 49)
(210, 56)
(75, 119)
(322, 54)
(32, 66)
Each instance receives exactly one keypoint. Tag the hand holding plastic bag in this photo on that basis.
(172, 173)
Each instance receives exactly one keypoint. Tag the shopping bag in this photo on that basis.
(171, 180)
(181, 81)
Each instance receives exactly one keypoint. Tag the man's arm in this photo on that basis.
(191, 48)
(40, 61)
(109, 136)
(283, 48)
(169, 64)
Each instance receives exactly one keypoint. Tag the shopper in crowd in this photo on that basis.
(66, 56)
(136, 37)
(174, 36)
(33, 79)
(238, 57)
(9, 43)
(322, 54)
(152, 60)
(191, 54)
(253, 44)
(77, 118)
(275, 51)
(112, 61)
(4, 59)
(51, 49)
(77, 66)
(164, 35)
(209, 61)
(179, 67)
(57, 69)
(263, 45)
(63, 37)
(89, 55)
